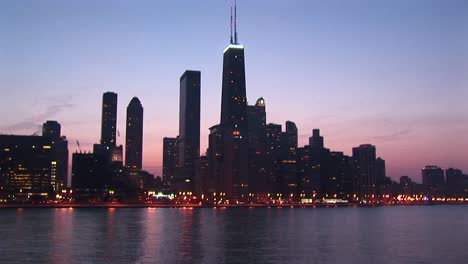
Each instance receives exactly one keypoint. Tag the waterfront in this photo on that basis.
(398, 234)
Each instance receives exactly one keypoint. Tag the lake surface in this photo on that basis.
(402, 234)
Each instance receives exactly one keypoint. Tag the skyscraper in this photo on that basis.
(455, 182)
(52, 130)
(288, 180)
(134, 135)
(28, 166)
(189, 127)
(233, 126)
(316, 141)
(169, 159)
(433, 180)
(364, 158)
(318, 158)
(109, 119)
(273, 157)
(256, 115)
(291, 135)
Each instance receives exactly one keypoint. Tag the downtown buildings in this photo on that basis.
(102, 173)
(33, 167)
(250, 159)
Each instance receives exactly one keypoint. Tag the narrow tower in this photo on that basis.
(109, 119)
(189, 128)
(134, 135)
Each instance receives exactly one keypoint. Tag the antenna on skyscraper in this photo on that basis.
(231, 25)
(235, 22)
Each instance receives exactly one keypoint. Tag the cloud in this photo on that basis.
(392, 136)
(34, 123)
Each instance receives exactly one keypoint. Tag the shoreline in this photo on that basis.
(193, 206)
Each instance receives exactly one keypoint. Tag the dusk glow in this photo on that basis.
(388, 73)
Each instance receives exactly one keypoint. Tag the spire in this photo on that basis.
(231, 26)
(235, 22)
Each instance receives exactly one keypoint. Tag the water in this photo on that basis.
(411, 234)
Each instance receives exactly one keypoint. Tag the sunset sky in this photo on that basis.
(390, 73)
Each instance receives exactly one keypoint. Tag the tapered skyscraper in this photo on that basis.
(233, 124)
(109, 119)
(134, 135)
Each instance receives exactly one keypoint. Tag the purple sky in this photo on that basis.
(390, 73)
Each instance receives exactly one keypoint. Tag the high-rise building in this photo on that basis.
(288, 180)
(204, 184)
(273, 157)
(433, 180)
(455, 183)
(316, 141)
(364, 158)
(134, 135)
(90, 172)
(28, 168)
(233, 125)
(170, 159)
(339, 180)
(215, 159)
(52, 130)
(109, 119)
(306, 187)
(256, 116)
(406, 185)
(291, 136)
(189, 128)
(318, 157)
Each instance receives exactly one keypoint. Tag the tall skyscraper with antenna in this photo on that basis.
(233, 126)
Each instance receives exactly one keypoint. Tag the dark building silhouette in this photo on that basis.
(109, 119)
(455, 183)
(406, 185)
(28, 166)
(83, 171)
(233, 125)
(364, 158)
(258, 175)
(288, 180)
(306, 185)
(91, 173)
(291, 134)
(189, 129)
(215, 157)
(134, 135)
(433, 180)
(316, 141)
(256, 116)
(52, 130)
(339, 176)
(382, 181)
(273, 158)
(318, 158)
(170, 154)
(204, 184)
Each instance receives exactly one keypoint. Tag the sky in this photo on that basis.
(389, 73)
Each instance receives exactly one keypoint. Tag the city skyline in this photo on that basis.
(405, 146)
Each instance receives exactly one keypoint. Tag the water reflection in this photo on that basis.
(237, 235)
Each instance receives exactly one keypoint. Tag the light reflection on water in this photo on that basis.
(413, 234)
